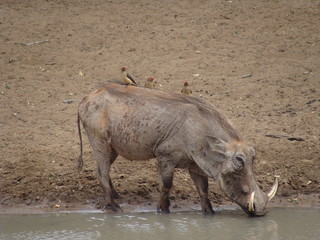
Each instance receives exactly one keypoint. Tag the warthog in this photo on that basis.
(180, 132)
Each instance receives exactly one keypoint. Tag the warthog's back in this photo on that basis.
(136, 120)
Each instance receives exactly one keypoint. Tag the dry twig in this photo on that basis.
(36, 42)
(290, 138)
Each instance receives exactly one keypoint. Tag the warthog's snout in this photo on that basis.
(257, 204)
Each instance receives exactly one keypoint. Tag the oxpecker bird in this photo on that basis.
(127, 78)
(186, 89)
(150, 83)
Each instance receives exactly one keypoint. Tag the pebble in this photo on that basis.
(69, 101)
(247, 76)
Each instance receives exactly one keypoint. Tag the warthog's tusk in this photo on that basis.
(274, 188)
(251, 202)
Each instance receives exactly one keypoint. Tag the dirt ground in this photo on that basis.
(257, 61)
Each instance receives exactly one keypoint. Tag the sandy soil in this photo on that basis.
(257, 61)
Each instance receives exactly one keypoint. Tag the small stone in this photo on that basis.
(68, 101)
(247, 76)
(80, 186)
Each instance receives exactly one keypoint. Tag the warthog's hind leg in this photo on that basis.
(201, 183)
(105, 156)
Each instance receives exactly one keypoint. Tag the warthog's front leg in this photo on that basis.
(201, 183)
(166, 170)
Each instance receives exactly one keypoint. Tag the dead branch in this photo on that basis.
(290, 138)
(36, 42)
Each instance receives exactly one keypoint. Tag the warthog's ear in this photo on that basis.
(216, 149)
(210, 155)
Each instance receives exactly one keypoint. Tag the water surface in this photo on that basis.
(282, 223)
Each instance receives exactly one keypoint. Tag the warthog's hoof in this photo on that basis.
(111, 207)
(208, 211)
(163, 206)
(163, 211)
(206, 207)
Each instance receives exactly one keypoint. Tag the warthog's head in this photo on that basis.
(231, 165)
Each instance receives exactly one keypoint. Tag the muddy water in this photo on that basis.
(279, 224)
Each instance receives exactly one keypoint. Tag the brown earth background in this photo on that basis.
(257, 61)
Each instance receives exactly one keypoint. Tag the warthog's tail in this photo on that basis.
(80, 160)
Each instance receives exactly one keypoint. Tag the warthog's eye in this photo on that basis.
(239, 162)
